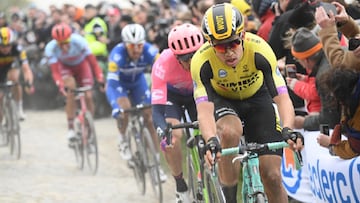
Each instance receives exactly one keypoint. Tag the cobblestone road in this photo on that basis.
(46, 172)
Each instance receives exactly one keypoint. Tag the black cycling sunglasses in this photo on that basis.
(222, 47)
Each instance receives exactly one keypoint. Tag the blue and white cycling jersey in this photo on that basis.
(123, 68)
(126, 75)
(78, 51)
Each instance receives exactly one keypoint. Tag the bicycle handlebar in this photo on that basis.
(194, 125)
(255, 147)
(10, 83)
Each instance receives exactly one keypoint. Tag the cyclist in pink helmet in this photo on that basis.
(172, 93)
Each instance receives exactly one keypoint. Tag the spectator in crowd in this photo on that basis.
(113, 21)
(330, 24)
(344, 84)
(76, 13)
(3, 20)
(277, 40)
(263, 10)
(307, 49)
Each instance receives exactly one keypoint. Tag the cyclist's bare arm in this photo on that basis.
(207, 126)
(28, 77)
(287, 116)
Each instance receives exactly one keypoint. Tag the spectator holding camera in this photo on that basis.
(332, 22)
(307, 49)
(344, 84)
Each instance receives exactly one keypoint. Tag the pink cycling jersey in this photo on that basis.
(169, 75)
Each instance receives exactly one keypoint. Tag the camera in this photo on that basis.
(353, 43)
(290, 70)
(324, 129)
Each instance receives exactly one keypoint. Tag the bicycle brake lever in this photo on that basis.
(213, 165)
(240, 157)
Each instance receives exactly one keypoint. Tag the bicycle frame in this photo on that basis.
(80, 114)
(85, 128)
(143, 150)
(252, 187)
(196, 146)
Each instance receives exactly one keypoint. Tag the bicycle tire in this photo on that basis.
(5, 125)
(260, 198)
(14, 133)
(91, 149)
(212, 184)
(152, 164)
(196, 190)
(77, 145)
(137, 153)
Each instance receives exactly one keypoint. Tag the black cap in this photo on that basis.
(89, 6)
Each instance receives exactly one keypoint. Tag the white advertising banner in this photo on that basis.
(323, 178)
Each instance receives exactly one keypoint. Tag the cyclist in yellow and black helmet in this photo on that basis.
(221, 22)
(236, 79)
(12, 57)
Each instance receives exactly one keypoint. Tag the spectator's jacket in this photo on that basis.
(95, 28)
(328, 114)
(308, 89)
(266, 24)
(335, 53)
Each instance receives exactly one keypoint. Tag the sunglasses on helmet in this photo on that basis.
(222, 47)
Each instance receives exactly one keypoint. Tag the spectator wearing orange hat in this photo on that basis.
(307, 49)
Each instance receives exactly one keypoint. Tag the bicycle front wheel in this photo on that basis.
(91, 149)
(196, 190)
(213, 187)
(136, 162)
(14, 130)
(152, 164)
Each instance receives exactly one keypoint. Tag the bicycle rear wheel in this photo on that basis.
(136, 162)
(152, 164)
(213, 186)
(14, 130)
(77, 145)
(91, 149)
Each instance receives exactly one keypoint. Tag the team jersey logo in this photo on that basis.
(112, 67)
(222, 73)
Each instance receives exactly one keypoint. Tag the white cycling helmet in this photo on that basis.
(133, 33)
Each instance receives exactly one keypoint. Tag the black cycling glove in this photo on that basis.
(288, 133)
(213, 145)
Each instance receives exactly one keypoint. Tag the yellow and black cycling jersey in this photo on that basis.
(257, 66)
(16, 54)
